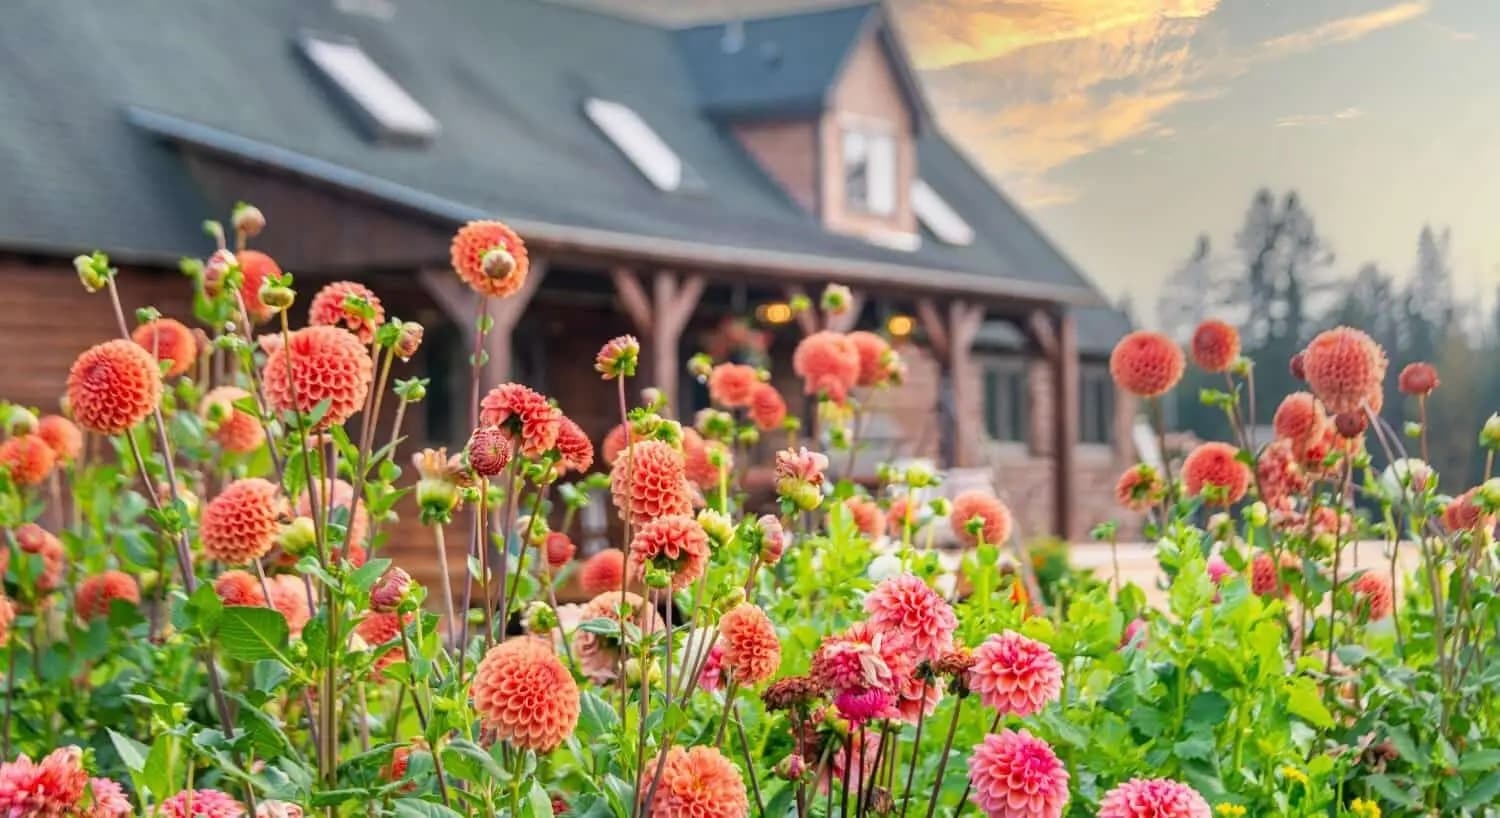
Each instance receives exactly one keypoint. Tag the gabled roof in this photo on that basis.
(786, 65)
(506, 80)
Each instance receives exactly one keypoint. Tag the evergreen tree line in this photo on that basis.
(1281, 284)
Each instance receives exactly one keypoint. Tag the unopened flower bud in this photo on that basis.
(791, 768)
(799, 493)
(1489, 493)
(731, 598)
(920, 477)
(717, 525)
(19, 421)
(1242, 367)
(700, 366)
(837, 299)
(489, 451)
(618, 357)
(941, 507)
(93, 271)
(772, 539)
(1298, 367)
(390, 590)
(653, 398)
(534, 529)
(748, 436)
(412, 390)
(218, 266)
(658, 578)
(1489, 434)
(633, 672)
(276, 296)
(299, 536)
(409, 340)
(1350, 425)
(1257, 514)
(799, 304)
(248, 220)
(539, 618)
(498, 264)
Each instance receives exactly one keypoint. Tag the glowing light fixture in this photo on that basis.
(778, 312)
(900, 326)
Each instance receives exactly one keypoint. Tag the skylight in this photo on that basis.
(939, 216)
(392, 111)
(652, 156)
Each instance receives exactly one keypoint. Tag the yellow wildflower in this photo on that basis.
(1294, 775)
(1360, 808)
(1229, 811)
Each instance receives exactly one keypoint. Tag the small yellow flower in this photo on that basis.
(1294, 775)
(1360, 808)
(1230, 811)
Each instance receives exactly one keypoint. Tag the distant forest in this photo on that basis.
(1281, 284)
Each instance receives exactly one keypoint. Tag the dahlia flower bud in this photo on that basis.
(411, 390)
(836, 299)
(919, 476)
(1417, 379)
(1489, 434)
(19, 421)
(749, 437)
(731, 598)
(799, 304)
(539, 618)
(1350, 425)
(1257, 514)
(298, 536)
(218, 266)
(717, 525)
(618, 357)
(533, 529)
(489, 451)
(248, 220)
(1489, 495)
(700, 366)
(653, 398)
(275, 296)
(409, 339)
(799, 493)
(498, 264)
(941, 507)
(791, 768)
(714, 424)
(633, 672)
(772, 539)
(658, 578)
(392, 589)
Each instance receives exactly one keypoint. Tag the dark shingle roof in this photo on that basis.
(505, 78)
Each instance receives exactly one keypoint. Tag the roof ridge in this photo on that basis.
(831, 8)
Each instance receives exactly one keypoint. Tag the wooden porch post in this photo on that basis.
(462, 304)
(952, 339)
(1065, 427)
(660, 318)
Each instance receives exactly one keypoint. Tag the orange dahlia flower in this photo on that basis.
(673, 543)
(732, 385)
(1345, 369)
(1146, 363)
(33, 539)
(329, 308)
(319, 364)
(988, 508)
(867, 516)
(1215, 346)
(241, 524)
(523, 693)
(559, 550)
(170, 342)
(236, 430)
(604, 571)
(575, 450)
(614, 443)
(651, 482)
(525, 415)
(697, 783)
(255, 268)
(236, 587)
(62, 435)
(752, 652)
(500, 274)
(113, 386)
(1140, 488)
(1373, 590)
(1216, 466)
(27, 458)
(828, 363)
(96, 592)
(767, 408)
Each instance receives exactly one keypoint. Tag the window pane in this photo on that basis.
(1018, 406)
(882, 175)
(992, 424)
(856, 169)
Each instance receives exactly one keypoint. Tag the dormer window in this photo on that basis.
(869, 168)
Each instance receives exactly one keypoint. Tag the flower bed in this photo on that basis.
(199, 619)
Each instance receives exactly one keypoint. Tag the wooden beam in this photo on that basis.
(1065, 424)
(632, 299)
(1045, 334)
(461, 305)
(964, 320)
(933, 325)
(660, 317)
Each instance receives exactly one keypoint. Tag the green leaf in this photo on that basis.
(1482, 793)
(1387, 789)
(364, 577)
(1304, 702)
(1198, 746)
(250, 634)
(132, 753)
(1479, 760)
(417, 808)
(539, 802)
(476, 755)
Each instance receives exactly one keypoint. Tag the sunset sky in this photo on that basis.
(1127, 127)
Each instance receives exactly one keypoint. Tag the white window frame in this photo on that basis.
(646, 150)
(934, 212)
(877, 140)
(393, 110)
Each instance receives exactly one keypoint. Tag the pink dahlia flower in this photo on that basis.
(906, 605)
(1153, 798)
(1016, 775)
(1015, 675)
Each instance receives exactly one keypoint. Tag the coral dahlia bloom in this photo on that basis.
(170, 342)
(1279, 472)
(598, 655)
(574, 448)
(109, 800)
(331, 308)
(1265, 575)
(289, 597)
(650, 482)
(699, 469)
(674, 543)
(752, 651)
(828, 363)
(874, 358)
(62, 435)
(618, 357)
(1215, 346)
(50, 788)
(1299, 418)
(614, 443)
(255, 268)
(318, 364)
(698, 782)
(1464, 514)
(236, 430)
(525, 414)
(904, 605)
(1215, 467)
(523, 693)
(1016, 775)
(1373, 590)
(96, 592)
(7, 611)
(1153, 798)
(113, 386)
(767, 408)
(201, 804)
(236, 587)
(1146, 363)
(988, 508)
(559, 550)
(27, 458)
(1015, 675)
(801, 464)
(602, 572)
(1140, 488)
(488, 451)
(901, 515)
(1345, 369)
(33, 539)
(241, 524)
(848, 663)
(476, 240)
(867, 516)
(1417, 379)
(732, 385)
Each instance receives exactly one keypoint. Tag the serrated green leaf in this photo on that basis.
(132, 753)
(250, 634)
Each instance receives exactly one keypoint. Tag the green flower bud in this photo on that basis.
(1489, 435)
(717, 525)
(800, 493)
(299, 536)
